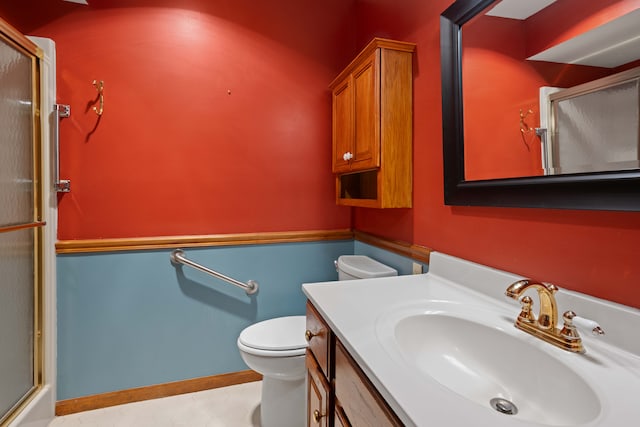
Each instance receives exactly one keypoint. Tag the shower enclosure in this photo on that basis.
(592, 127)
(22, 224)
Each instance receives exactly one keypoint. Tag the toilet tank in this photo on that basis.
(352, 267)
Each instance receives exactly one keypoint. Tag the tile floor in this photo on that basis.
(234, 406)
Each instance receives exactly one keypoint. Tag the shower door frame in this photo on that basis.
(22, 44)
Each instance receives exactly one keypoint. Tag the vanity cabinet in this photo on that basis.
(373, 127)
(339, 394)
(318, 359)
(318, 394)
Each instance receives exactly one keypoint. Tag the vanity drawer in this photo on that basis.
(358, 398)
(318, 336)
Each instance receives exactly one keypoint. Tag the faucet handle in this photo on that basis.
(572, 320)
(569, 330)
(526, 315)
(588, 325)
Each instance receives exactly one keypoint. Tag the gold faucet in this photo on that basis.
(545, 326)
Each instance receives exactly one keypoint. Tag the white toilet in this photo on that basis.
(276, 349)
(352, 267)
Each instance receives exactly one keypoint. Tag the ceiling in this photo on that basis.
(610, 45)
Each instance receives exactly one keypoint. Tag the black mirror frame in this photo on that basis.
(614, 191)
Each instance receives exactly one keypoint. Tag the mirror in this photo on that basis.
(522, 70)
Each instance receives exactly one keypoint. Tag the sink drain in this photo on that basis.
(503, 406)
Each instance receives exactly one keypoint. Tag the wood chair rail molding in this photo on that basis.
(409, 250)
(211, 240)
(416, 252)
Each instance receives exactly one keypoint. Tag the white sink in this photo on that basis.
(440, 346)
(452, 344)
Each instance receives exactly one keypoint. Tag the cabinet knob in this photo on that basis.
(317, 416)
(308, 335)
(347, 156)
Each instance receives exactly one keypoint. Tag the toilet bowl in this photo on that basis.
(276, 349)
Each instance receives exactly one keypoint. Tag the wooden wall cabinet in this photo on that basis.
(373, 127)
(338, 393)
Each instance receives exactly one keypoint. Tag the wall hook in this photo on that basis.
(100, 88)
(524, 127)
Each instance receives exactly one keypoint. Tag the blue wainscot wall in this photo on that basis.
(131, 319)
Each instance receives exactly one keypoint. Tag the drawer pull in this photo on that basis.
(308, 335)
(317, 416)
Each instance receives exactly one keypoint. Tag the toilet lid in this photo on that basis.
(281, 333)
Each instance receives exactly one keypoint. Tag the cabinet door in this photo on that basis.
(342, 125)
(318, 394)
(360, 401)
(366, 96)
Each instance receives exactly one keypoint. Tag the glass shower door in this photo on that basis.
(20, 225)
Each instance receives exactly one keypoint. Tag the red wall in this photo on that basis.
(593, 252)
(176, 154)
(496, 69)
(217, 115)
(511, 152)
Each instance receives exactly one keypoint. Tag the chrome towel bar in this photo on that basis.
(59, 111)
(177, 257)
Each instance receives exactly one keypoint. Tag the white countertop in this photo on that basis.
(355, 309)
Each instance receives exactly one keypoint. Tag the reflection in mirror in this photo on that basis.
(592, 127)
(549, 88)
